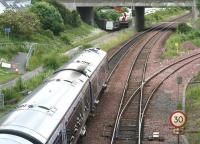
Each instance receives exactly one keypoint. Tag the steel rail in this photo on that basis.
(158, 86)
(124, 109)
(133, 42)
(121, 110)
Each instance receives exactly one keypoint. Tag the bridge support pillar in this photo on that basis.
(139, 18)
(195, 11)
(87, 14)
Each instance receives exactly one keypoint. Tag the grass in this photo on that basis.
(163, 15)
(173, 46)
(6, 75)
(19, 91)
(121, 37)
(192, 110)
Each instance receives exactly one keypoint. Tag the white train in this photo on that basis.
(56, 112)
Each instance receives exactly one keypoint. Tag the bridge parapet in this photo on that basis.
(145, 3)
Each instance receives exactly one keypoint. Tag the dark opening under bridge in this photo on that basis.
(85, 7)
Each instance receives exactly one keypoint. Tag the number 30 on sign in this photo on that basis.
(178, 119)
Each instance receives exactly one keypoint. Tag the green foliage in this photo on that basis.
(161, 15)
(7, 51)
(21, 22)
(198, 4)
(184, 28)
(125, 9)
(85, 46)
(70, 17)
(110, 14)
(75, 19)
(53, 61)
(184, 33)
(6, 76)
(16, 93)
(192, 109)
(49, 17)
(48, 33)
(65, 38)
(179, 106)
(116, 41)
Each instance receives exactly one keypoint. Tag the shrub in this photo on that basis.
(85, 46)
(108, 14)
(49, 17)
(53, 61)
(20, 22)
(48, 33)
(65, 38)
(75, 19)
(184, 28)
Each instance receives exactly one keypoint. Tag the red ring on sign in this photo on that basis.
(177, 111)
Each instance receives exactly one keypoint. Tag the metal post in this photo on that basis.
(178, 93)
(178, 137)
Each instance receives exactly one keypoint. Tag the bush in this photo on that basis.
(49, 17)
(184, 28)
(85, 46)
(65, 38)
(48, 33)
(53, 61)
(20, 22)
(75, 19)
(108, 15)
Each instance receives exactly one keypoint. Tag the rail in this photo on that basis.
(121, 110)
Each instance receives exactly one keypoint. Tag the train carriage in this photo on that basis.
(56, 112)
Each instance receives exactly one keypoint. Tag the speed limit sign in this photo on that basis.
(178, 119)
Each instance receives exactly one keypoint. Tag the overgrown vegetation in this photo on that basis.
(47, 23)
(20, 90)
(6, 75)
(121, 37)
(22, 23)
(107, 14)
(49, 17)
(184, 33)
(192, 110)
(162, 15)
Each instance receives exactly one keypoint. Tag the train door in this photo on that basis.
(86, 103)
(74, 125)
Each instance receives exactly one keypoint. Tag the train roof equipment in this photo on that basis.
(37, 116)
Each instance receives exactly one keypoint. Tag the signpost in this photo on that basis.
(1, 100)
(178, 120)
(7, 30)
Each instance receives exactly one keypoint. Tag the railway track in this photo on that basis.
(129, 121)
(104, 122)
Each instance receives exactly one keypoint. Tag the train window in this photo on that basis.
(58, 140)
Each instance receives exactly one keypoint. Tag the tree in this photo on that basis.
(198, 4)
(49, 16)
(21, 22)
(75, 19)
(70, 17)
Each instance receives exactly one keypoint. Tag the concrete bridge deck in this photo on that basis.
(145, 3)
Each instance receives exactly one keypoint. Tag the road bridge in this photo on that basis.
(85, 7)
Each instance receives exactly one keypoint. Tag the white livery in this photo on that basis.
(56, 112)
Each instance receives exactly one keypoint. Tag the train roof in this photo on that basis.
(12, 139)
(39, 114)
(87, 61)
